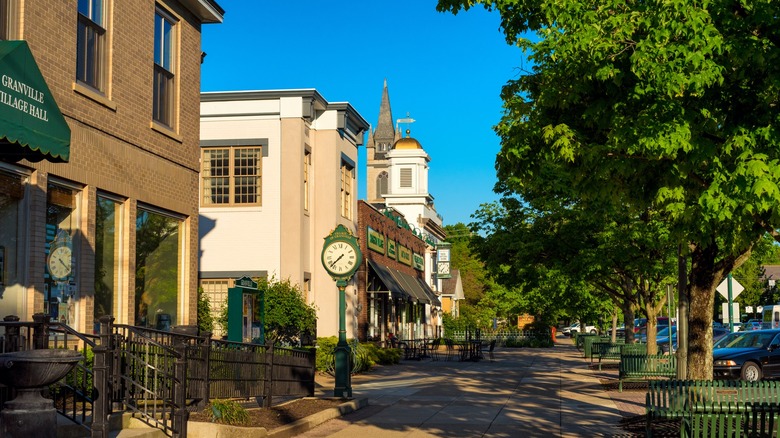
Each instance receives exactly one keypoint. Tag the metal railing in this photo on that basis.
(155, 375)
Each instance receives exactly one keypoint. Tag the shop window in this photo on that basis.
(60, 280)
(12, 243)
(91, 44)
(231, 176)
(108, 248)
(158, 258)
(164, 68)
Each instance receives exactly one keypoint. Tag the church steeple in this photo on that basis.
(384, 135)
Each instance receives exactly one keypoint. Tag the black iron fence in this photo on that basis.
(157, 376)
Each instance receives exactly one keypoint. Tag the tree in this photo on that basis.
(667, 105)
(205, 318)
(287, 315)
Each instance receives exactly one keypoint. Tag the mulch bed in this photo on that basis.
(276, 416)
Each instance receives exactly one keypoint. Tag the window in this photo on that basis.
(381, 185)
(60, 277)
(347, 178)
(231, 176)
(164, 74)
(216, 290)
(8, 18)
(90, 44)
(158, 258)
(108, 232)
(306, 169)
(406, 177)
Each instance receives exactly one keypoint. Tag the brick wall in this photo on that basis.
(114, 147)
(368, 216)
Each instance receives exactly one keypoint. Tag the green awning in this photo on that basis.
(31, 124)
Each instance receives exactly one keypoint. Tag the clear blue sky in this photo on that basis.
(445, 70)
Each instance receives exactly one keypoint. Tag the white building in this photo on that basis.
(278, 172)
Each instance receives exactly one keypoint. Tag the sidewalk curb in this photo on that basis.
(314, 420)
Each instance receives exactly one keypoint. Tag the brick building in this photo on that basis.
(105, 223)
(393, 295)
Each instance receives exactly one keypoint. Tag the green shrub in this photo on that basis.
(227, 412)
(364, 356)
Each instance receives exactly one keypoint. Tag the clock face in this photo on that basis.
(60, 262)
(339, 258)
(444, 268)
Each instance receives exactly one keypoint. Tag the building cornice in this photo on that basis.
(207, 10)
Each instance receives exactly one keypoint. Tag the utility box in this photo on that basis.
(241, 312)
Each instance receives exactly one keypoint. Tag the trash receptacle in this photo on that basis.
(163, 322)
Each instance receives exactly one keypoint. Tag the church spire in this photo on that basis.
(385, 132)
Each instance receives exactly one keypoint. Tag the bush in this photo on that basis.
(364, 356)
(227, 412)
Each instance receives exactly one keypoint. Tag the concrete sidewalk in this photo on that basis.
(525, 392)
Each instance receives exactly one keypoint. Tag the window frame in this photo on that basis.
(347, 187)
(9, 19)
(231, 177)
(165, 62)
(306, 178)
(91, 62)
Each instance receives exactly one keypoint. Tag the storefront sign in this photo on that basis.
(376, 241)
(402, 223)
(391, 249)
(418, 261)
(404, 255)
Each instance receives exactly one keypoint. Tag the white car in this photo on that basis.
(575, 328)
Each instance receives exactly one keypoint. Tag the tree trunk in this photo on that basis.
(652, 329)
(628, 320)
(704, 279)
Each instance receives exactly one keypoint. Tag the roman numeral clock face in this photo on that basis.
(339, 258)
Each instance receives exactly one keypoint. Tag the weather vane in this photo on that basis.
(407, 120)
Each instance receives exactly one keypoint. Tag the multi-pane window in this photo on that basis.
(306, 169)
(90, 44)
(164, 64)
(231, 176)
(347, 179)
(216, 290)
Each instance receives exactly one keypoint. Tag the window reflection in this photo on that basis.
(157, 261)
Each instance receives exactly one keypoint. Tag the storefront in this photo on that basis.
(393, 294)
(32, 128)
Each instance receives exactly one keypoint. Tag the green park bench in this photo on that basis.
(587, 343)
(639, 367)
(719, 408)
(607, 350)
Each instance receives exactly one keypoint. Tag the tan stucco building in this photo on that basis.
(279, 170)
(107, 225)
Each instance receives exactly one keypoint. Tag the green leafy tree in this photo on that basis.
(205, 319)
(666, 105)
(287, 315)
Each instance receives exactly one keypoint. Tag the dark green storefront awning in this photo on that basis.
(31, 124)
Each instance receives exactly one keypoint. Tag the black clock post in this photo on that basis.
(341, 257)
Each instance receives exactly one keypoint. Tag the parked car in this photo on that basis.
(753, 324)
(717, 334)
(751, 355)
(640, 324)
(575, 328)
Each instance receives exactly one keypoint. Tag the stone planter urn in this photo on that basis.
(28, 372)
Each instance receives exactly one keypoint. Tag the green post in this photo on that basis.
(342, 352)
(731, 309)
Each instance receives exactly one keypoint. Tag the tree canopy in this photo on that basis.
(668, 105)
